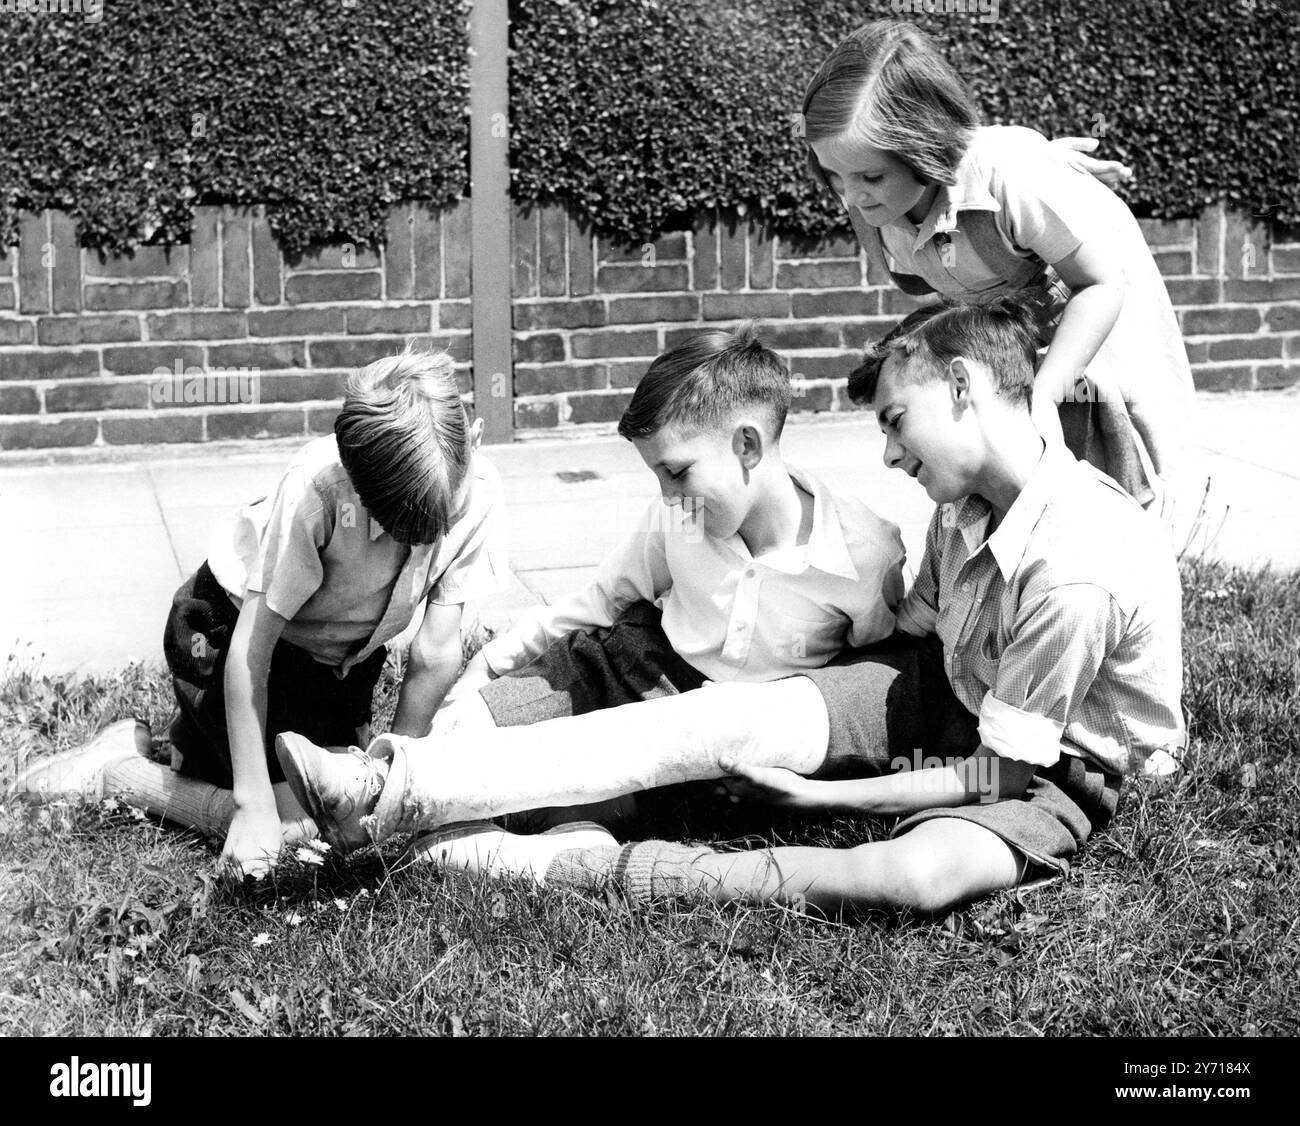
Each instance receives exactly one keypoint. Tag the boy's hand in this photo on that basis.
(772, 784)
(1110, 172)
(252, 843)
(477, 673)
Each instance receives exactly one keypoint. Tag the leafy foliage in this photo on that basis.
(325, 113)
(641, 114)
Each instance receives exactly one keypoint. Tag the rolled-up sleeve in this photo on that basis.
(1060, 639)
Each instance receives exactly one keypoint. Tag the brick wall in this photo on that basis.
(225, 338)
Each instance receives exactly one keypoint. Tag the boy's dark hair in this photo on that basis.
(403, 439)
(1003, 334)
(703, 381)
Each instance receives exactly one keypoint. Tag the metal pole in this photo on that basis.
(490, 213)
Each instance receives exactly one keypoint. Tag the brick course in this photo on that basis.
(82, 335)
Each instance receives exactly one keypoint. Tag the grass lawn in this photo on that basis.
(1180, 919)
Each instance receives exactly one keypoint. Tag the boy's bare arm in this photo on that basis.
(253, 841)
(984, 775)
(432, 666)
(636, 570)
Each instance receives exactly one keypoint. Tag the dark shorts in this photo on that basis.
(891, 707)
(302, 695)
(586, 671)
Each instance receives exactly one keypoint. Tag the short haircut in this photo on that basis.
(403, 438)
(702, 382)
(1003, 334)
(886, 85)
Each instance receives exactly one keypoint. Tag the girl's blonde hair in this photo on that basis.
(886, 85)
(404, 439)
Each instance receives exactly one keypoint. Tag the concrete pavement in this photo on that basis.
(94, 548)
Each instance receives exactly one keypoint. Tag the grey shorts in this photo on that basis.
(891, 707)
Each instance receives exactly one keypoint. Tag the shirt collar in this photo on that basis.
(1010, 539)
(969, 192)
(827, 549)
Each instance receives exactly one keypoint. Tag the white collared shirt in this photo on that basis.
(1062, 630)
(345, 585)
(731, 616)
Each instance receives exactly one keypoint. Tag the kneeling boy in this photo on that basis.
(285, 626)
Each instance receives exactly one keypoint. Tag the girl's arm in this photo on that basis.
(1096, 295)
(1065, 220)
(253, 841)
(432, 666)
(984, 775)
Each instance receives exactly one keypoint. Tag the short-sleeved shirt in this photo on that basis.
(730, 615)
(1061, 630)
(345, 586)
(1044, 209)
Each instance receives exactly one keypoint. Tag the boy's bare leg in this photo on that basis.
(938, 864)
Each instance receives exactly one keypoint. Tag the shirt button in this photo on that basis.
(965, 588)
(749, 573)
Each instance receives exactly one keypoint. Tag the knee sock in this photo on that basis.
(156, 789)
(643, 871)
(589, 758)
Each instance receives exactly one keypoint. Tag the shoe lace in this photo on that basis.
(375, 774)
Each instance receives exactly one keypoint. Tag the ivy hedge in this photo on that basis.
(643, 113)
(326, 112)
(639, 114)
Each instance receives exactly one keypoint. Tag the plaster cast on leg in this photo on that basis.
(601, 755)
(466, 716)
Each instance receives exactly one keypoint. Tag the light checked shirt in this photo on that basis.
(732, 616)
(344, 584)
(1062, 630)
